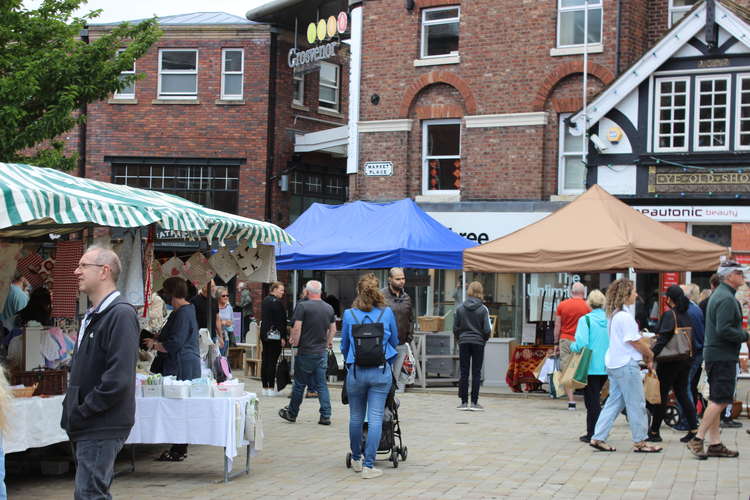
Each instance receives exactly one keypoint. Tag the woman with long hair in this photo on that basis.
(622, 360)
(673, 374)
(471, 328)
(368, 386)
(224, 320)
(273, 330)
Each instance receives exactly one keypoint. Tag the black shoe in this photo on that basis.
(585, 439)
(687, 437)
(325, 421)
(284, 413)
(654, 437)
(728, 423)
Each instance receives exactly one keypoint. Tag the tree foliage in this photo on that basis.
(48, 71)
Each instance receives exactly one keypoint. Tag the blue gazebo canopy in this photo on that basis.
(367, 235)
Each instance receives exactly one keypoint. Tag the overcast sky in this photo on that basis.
(119, 10)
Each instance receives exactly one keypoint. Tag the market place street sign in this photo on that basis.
(378, 168)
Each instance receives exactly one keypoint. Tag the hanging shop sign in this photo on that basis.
(322, 31)
(378, 168)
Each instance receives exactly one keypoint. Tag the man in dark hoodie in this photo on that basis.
(99, 406)
(471, 327)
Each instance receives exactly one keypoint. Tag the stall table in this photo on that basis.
(522, 363)
(34, 423)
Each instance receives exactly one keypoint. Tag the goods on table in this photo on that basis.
(47, 382)
(20, 391)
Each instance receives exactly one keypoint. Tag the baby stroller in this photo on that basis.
(391, 432)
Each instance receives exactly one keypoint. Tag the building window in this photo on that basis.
(127, 92)
(711, 113)
(678, 9)
(299, 90)
(329, 86)
(441, 154)
(742, 139)
(671, 105)
(178, 73)
(214, 187)
(232, 69)
(440, 31)
(571, 18)
(571, 169)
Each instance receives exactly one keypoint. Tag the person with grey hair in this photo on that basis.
(723, 336)
(400, 303)
(569, 311)
(18, 298)
(99, 406)
(314, 325)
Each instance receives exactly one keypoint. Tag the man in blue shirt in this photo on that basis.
(18, 298)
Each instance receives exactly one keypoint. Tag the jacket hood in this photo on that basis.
(598, 317)
(472, 303)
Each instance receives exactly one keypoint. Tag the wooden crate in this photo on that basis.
(430, 323)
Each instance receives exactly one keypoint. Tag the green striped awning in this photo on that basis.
(32, 196)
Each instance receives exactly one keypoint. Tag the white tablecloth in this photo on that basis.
(211, 421)
(34, 422)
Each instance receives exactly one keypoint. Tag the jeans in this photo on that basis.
(625, 391)
(268, 359)
(592, 398)
(694, 377)
(310, 371)
(3, 492)
(675, 375)
(95, 467)
(401, 349)
(368, 389)
(470, 354)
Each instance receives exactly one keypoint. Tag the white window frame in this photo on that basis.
(298, 78)
(336, 87)
(696, 112)
(426, 160)
(224, 73)
(178, 72)
(587, 5)
(450, 20)
(657, 115)
(562, 155)
(674, 10)
(120, 95)
(738, 112)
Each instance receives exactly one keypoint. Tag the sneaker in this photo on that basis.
(584, 438)
(728, 423)
(264, 392)
(462, 407)
(695, 446)
(371, 472)
(571, 407)
(687, 437)
(284, 413)
(357, 464)
(654, 437)
(324, 420)
(476, 407)
(721, 451)
(272, 393)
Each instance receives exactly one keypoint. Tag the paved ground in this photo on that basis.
(518, 448)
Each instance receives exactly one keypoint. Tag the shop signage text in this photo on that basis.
(696, 213)
(378, 168)
(324, 29)
(297, 58)
(703, 178)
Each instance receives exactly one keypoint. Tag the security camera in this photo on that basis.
(598, 143)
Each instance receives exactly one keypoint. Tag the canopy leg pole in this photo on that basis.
(463, 285)
(295, 284)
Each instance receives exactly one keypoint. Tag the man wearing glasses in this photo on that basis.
(99, 405)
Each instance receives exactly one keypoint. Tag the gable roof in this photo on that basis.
(730, 16)
(191, 19)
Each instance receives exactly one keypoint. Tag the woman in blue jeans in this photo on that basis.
(622, 360)
(367, 386)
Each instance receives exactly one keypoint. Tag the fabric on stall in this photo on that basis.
(155, 314)
(8, 253)
(33, 423)
(48, 267)
(130, 282)
(248, 259)
(157, 275)
(522, 364)
(224, 264)
(65, 285)
(173, 267)
(199, 270)
(148, 260)
(266, 273)
(29, 266)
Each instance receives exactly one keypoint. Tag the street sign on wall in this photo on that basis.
(378, 168)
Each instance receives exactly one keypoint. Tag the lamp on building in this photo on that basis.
(409, 4)
(284, 183)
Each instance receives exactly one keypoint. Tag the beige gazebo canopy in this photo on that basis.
(595, 232)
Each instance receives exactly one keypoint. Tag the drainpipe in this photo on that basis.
(618, 24)
(84, 34)
(271, 135)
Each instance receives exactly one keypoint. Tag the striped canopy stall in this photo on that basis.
(36, 201)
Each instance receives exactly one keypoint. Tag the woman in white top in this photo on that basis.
(622, 361)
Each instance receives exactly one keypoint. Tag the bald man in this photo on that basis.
(99, 406)
(566, 321)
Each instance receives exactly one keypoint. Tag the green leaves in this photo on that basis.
(48, 71)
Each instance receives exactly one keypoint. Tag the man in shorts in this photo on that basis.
(721, 350)
(566, 322)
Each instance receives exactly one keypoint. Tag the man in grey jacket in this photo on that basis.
(99, 405)
(472, 328)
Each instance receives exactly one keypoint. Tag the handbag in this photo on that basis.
(157, 365)
(680, 346)
(273, 334)
(652, 388)
(333, 365)
(570, 370)
(581, 375)
(283, 373)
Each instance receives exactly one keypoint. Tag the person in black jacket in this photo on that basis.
(673, 374)
(99, 405)
(471, 327)
(273, 329)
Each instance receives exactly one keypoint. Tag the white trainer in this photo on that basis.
(371, 472)
(264, 392)
(357, 465)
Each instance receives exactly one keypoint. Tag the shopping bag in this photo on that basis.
(409, 366)
(333, 365)
(538, 370)
(557, 382)
(548, 367)
(581, 375)
(283, 373)
(652, 389)
(570, 370)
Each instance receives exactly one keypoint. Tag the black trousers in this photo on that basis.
(268, 359)
(673, 375)
(470, 356)
(592, 398)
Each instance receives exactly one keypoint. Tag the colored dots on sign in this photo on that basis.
(342, 22)
(321, 30)
(312, 33)
(331, 27)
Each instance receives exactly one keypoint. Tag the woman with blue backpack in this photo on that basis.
(369, 337)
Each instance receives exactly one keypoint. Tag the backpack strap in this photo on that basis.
(356, 320)
(381, 315)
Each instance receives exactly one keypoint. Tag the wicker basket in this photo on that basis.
(47, 382)
(24, 392)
